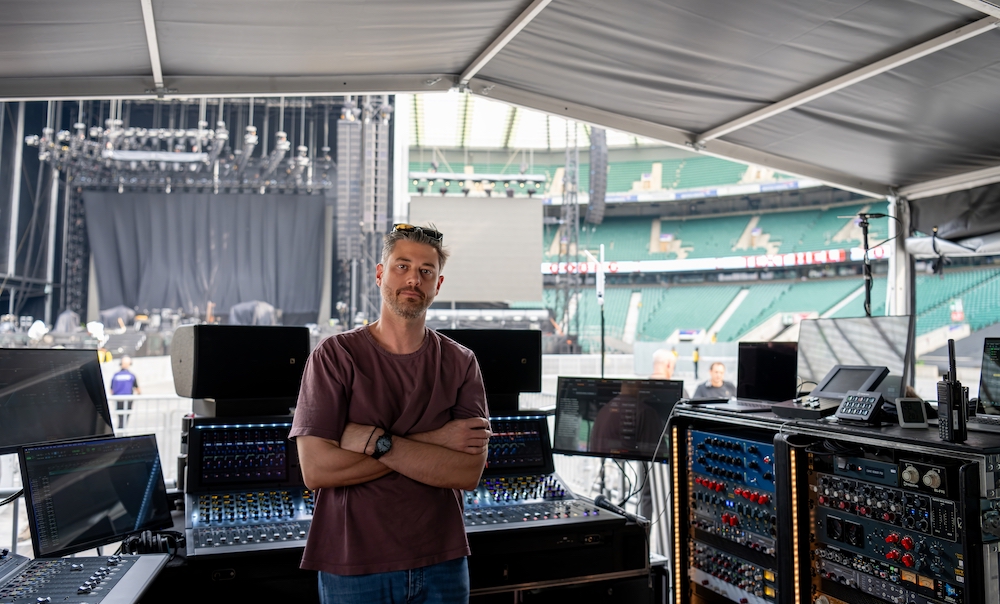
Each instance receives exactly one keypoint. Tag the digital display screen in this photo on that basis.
(989, 379)
(912, 411)
(847, 379)
(617, 418)
(227, 454)
(519, 443)
(49, 396)
(85, 494)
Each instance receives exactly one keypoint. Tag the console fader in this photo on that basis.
(91, 579)
(244, 487)
(733, 516)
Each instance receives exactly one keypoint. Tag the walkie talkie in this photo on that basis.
(953, 413)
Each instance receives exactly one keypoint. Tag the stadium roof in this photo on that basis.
(455, 120)
(877, 96)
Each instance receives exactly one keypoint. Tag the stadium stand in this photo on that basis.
(623, 238)
(666, 309)
(705, 237)
(705, 172)
(979, 291)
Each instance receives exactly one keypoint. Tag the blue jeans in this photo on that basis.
(444, 583)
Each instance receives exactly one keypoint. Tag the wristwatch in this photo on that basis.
(382, 445)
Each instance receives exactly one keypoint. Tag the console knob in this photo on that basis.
(932, 479)
(911, 475)
(908, 560)
(906, 542)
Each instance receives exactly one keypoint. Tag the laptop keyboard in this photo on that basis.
(988, 420)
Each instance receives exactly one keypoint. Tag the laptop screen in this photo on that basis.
(989, 380)
(90, 493)
(766, 371)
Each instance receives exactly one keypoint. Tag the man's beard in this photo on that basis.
(406, 308)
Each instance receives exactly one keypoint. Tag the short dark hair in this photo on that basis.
(416, 236)
(712, 366)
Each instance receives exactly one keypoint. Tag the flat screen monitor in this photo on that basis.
(856, 341)
(519, 445)
(989, 379)
(842, 379)
(85, 494)
(767, 370)
(510, 359)
(616, 418)
(50, 395)
(232, 453)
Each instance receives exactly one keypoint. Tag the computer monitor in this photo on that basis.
(989, 379)
(49, 395)
(85, 494)
(617, 418)
(510, 359)
(767, 371)
(857, 341)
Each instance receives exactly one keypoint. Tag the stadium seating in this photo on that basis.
(705, 172)
(979, 291)
(707, 237)
(666, 309)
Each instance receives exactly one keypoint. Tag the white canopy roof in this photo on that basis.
(876, 96)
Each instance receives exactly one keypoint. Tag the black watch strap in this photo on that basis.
(382, 445)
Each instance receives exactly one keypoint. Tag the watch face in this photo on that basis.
(383, 444)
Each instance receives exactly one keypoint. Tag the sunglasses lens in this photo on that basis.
(409, 228)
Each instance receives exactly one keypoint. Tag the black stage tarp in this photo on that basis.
(183, 250)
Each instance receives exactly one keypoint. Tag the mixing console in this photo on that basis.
(108, 580)
(245, 490)
(532, 500)
(248, 520)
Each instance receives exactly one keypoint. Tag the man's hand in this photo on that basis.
(470, 435)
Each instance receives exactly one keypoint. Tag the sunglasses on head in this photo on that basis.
(409, 228)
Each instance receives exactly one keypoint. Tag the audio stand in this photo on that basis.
(863, 223)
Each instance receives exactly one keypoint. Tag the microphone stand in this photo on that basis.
(863, 223)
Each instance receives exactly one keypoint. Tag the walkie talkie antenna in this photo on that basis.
(953, 375)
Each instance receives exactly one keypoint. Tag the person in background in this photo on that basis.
(716, 386)
(124, 383)
(664, 363)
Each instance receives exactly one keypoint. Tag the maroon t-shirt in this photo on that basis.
(392, 523)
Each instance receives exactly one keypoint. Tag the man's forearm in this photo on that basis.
(324, 464)
(434, 465)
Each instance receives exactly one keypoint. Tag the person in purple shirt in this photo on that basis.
(391, 425)
(124, 383)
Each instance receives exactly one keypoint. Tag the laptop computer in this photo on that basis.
(765, 374)
(987, 418)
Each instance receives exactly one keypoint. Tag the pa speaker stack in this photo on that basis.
(598, 175)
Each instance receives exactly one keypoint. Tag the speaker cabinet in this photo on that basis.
(225, 362)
